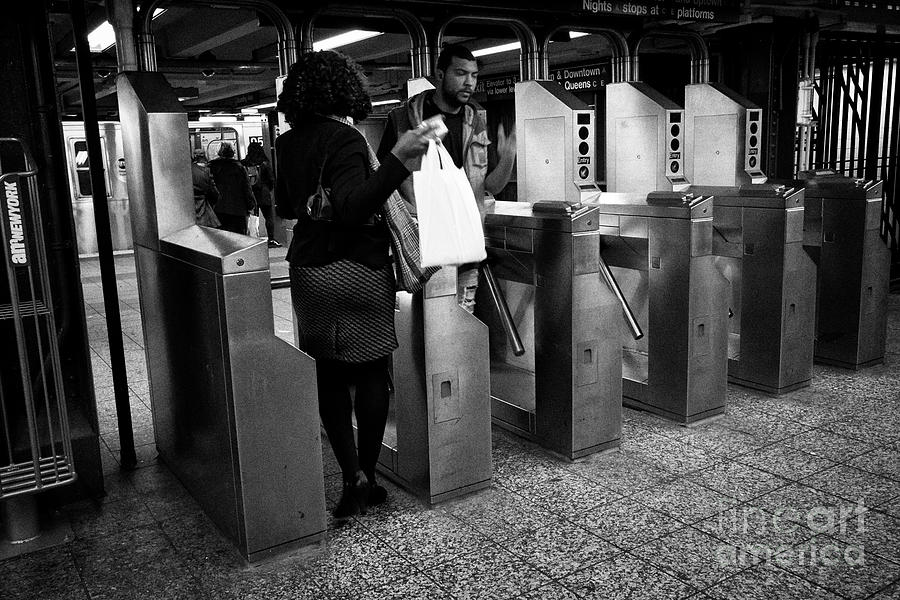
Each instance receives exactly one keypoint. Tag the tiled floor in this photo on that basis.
(794, 497)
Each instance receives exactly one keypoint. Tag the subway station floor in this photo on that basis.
(790, 497)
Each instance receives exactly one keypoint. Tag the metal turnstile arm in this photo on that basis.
(509, 326)
(633, 325)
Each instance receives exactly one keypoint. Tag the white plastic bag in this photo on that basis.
(450, 231)
(253, 225)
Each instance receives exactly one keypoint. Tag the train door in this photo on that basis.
(81, 189)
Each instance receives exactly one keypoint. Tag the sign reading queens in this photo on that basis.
(585, 78)
(13, 226)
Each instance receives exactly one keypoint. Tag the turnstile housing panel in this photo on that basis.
(572, 361)
(237, 432)
(758, 242)
(843, 230)
(660, 251)
(442, 394)
(639, 136)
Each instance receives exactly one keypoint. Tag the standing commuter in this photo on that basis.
(236, 201)
(206, 195)
(262, 182)
(342, 278)
(467, 140)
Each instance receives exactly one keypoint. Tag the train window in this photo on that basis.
(209, 139)
(83, 167)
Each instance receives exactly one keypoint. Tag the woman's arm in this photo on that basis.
(356, 192)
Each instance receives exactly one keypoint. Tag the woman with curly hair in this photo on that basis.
(342, 280)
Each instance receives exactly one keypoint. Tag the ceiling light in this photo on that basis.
(497, 49)
(104, 36)
(577, 34)
(263, 106)
(383, 102)
(343, 39)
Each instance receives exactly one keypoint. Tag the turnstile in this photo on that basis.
(565, 389)
(842, 232)
(438, 439)
(659, 248)
(234, 407)
(758, 245)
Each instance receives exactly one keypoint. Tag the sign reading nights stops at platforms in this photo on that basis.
(722, 11)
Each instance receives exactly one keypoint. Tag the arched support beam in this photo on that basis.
(287, 47)
(529, 59)
(418, 48)
(621, 58)
(695, 42)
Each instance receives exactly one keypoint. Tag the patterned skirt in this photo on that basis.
(345, 310)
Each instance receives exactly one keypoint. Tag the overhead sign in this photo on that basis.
(583, 78)
(722, 11)
(495, 88)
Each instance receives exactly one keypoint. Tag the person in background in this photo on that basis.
(206, 195)
(262, 182)
(466, 141)
(342, 278)
(236, 201)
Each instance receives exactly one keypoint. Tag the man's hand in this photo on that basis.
(497, 179)
(506, 144)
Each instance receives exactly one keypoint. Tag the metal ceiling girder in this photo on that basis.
(287, 47)
(418, 48)
(621, 57)
(695, 42)
(529, 56)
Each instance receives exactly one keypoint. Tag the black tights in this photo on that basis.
(335, 408)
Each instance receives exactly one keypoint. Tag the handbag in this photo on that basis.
(318, 205)
(449, 221)
(404, 232)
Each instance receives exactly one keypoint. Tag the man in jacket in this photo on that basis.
(467, 140)
(236, 200)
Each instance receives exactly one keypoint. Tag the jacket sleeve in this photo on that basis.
(356, 192)
(388, 138)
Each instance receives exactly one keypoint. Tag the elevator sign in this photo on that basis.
(14, 227)
(720, 11)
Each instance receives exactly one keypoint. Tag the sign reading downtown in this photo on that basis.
(678, 10)
(574, 79)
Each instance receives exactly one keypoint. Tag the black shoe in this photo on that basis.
(354, 498)
(377, 495)
(274, 244)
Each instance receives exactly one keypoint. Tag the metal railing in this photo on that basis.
(857, 117)
(35, 443)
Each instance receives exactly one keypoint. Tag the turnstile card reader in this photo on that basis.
(438, 442)
(724, 141)
(644, 139)
(556, 149)
(758, 244)
(565, 390)
(842, 221)
(659, 248)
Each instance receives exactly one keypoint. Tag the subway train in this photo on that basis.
(207, 133)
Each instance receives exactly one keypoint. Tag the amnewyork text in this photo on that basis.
(16, 232)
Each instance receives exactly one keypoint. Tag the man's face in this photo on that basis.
(459, 80)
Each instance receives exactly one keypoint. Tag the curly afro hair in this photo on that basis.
(324, 83)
